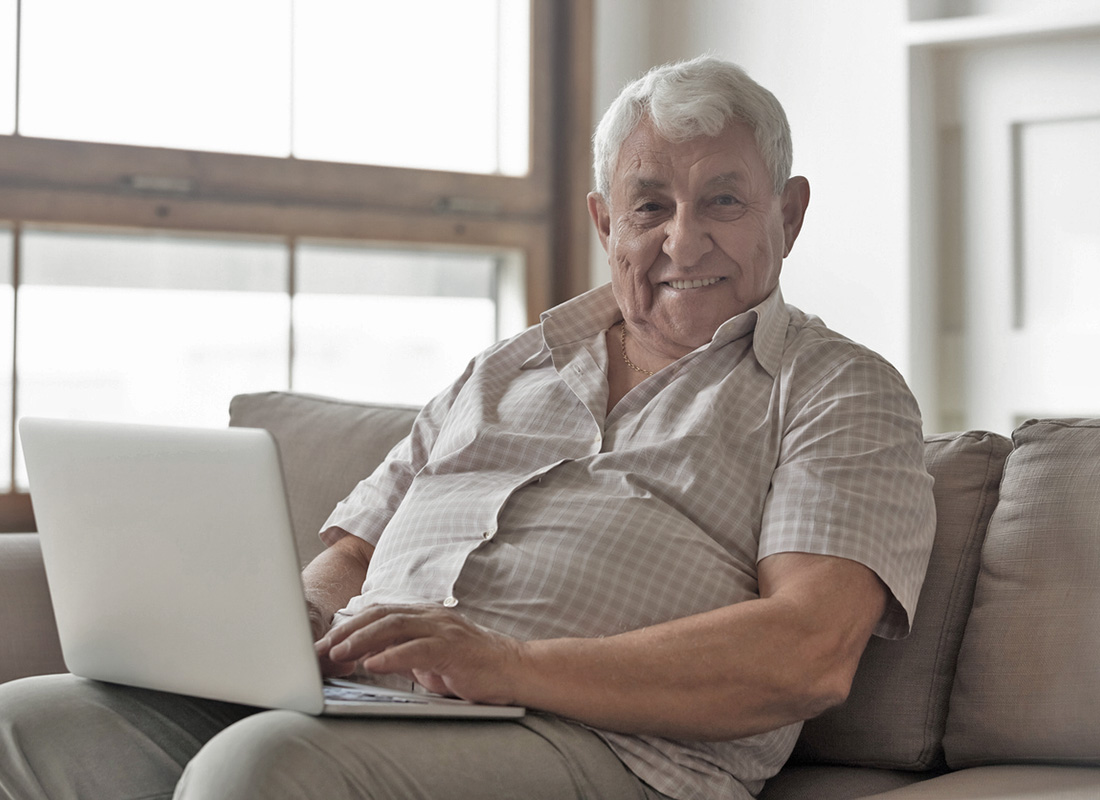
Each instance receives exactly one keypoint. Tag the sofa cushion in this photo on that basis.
(1003, 782)
(834, 782)
(326, 446)
(895, 714)
(1028, 682)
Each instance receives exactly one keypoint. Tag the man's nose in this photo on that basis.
(687, 238)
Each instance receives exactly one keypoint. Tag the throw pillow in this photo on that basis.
(1028, 683)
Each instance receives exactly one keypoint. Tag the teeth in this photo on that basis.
(693, 284)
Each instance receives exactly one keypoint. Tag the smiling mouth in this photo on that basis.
(698, 284)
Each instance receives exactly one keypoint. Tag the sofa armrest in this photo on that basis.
(28, 632)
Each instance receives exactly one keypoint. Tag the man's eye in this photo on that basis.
(649, 208)
(725, 200)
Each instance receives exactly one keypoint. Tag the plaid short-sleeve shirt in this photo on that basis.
(520, 502)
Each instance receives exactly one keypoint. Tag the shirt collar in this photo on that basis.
(587, 314)
(580, 318)
(767, 322)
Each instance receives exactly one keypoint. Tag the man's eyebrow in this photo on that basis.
(641, 183)
(731, 179)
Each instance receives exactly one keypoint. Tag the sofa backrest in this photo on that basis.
(327, 446)
(896, 712)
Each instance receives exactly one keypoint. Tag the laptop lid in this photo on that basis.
(171, 564)
(165, 549)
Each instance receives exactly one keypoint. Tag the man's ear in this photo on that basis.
(601, 216)
(795, 199)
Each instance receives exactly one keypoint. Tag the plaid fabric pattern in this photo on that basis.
(519, 501)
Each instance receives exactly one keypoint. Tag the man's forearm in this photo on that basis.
(333, 578)
(723, 674)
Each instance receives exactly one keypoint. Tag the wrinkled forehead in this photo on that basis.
(647, 160)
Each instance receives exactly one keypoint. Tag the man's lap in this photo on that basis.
(61, 736)
(58, 730)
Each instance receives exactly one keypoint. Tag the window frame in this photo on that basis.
(543, 214)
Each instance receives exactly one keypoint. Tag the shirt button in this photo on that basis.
(598, 439)
(450, 602)
(489, 534)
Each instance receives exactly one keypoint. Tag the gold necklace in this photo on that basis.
(622, 349)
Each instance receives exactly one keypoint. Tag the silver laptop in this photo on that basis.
(171, 564)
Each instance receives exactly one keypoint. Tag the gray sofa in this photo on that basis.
(996, 694)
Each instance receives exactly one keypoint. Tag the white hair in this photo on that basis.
(700, 97)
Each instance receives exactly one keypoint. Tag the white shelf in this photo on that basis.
(991, 28)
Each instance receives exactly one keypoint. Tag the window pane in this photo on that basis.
(7, 66)
(431, 84)
(396, 326)
(7, 329)
(143, 328)
(127, 71)
(200, 75)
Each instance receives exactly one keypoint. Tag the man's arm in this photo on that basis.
(724, 674)
(334, 577)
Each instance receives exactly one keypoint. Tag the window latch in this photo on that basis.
(159, 184)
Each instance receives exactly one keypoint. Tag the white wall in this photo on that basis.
(839, 68)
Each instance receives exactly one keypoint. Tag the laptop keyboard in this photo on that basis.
(367, 695)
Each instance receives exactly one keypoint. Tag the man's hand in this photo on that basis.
(433, 646)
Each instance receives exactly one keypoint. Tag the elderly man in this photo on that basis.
(667, 519)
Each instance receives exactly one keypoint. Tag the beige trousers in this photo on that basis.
(66, 738)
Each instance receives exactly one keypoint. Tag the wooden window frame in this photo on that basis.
(542, 214)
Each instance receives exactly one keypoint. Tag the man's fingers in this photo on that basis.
(342, 630)
(409, 656)
(339, 633)
(331, 668)
(371, 633)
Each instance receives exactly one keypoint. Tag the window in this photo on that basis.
(147, 328)
(329, 80)
(7, 65)
(201, 75)
(470, 65)
(353, 307)
(222, 196)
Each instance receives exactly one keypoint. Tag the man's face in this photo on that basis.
(694, 234)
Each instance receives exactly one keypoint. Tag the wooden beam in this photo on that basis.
(573, 153)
